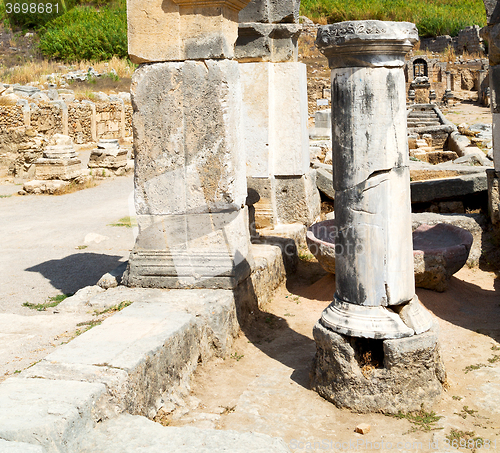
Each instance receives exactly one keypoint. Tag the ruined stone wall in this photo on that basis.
(47, 119)
(468, 40)
(11, 116)
(110, 119)
(80, 123)
(129, 111)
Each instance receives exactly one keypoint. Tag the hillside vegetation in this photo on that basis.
(432, 17)
(96, 30)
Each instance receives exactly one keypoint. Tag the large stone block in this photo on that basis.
(187, 144)
(267, 42)
(378, 376)
(271, 11)
(173, 30)
(276, 143)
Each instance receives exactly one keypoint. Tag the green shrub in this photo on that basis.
(432, 17)
(85, 33)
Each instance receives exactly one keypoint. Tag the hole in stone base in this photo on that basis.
(369, 354)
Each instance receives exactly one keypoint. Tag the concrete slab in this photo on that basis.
(129, 434)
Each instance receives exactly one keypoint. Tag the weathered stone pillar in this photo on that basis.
(448, 80)
(276, 114)
(492, 34)
(375, 289)
(190, 186)
(374, 250)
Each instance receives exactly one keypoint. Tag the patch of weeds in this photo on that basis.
(114, 308)
(466, 411)
(236, 356)
(494, 359)
(422, 420)
(289, 314)
(495, 348)
(17, 371)
(5, 196)
(457, 398)
(34, 363)
(465, 439)
(306, 256)
(474, 367)
(52, 302)
(90, 324)
(296, 299)
(127, 222)
(81, 247)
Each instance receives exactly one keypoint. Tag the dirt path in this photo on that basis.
(264, 386)
(51, 245)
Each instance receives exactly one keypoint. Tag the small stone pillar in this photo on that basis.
(448, 80)
(190, 186)
(375, 288)
(275, 114)
(492, 34)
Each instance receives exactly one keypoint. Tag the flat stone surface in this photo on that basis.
(438, 189)
(129, 434)
(20, 447)
(271, 11)
(324, 181)
(53, 414)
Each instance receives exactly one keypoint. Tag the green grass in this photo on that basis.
(51, 302)
(421, 420)
(114, 308)
(127, 222)
(432, 17)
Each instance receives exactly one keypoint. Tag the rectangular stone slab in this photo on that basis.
(167, 30)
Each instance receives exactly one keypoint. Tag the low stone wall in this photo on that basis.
(84, 122)
(468, 40)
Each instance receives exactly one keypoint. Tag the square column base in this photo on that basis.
(194, 251)
(387, 376)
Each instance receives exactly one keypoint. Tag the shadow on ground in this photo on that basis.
(76, 271)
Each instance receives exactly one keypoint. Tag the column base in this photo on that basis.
(378, 375)
(197, 251)
(397, 321)
(285, 200)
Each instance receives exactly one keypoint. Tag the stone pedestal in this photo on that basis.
(378, 376)
(59, 161)
(108, 157)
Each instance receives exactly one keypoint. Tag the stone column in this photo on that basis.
(375, 288)
(190, 186)
(374, 250)
(492, 34)
(276, 113)
(448, 80)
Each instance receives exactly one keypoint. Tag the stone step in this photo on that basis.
(432, 114)
(423, 123)
(130, 434)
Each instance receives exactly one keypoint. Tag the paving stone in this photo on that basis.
(129, 434)
(53, 414)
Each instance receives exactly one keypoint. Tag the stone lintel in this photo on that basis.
(168, 30)
(267, 42)
(369, 43)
